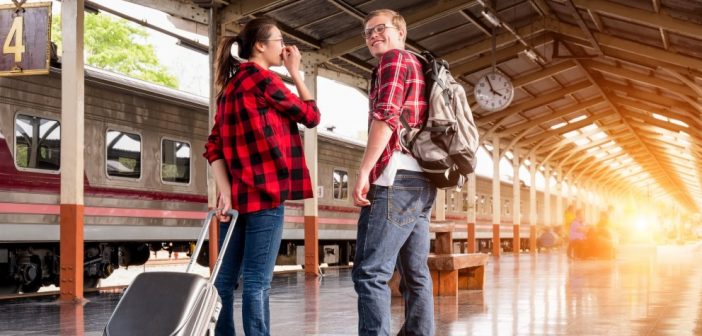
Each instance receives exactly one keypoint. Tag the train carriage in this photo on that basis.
(146, 181)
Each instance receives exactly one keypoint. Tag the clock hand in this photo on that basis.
(492, 89)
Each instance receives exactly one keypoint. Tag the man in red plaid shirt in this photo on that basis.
(396, 199)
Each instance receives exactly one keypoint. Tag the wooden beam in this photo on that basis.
(552, 116)
(501, 40)
(178, 8)
(659, 19)
(639, 77)
(596, 20)
(541, 7)
(413, 18)
(238, 9)
(671, 182)
(543, 73)
(566, 129)
(583, 26)
(532, 103)
(476, 22)
(695, 123)
(608, 42)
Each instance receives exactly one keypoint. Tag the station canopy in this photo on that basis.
(606, 91)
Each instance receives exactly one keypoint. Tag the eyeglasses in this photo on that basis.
(282, 42)
(379, 29)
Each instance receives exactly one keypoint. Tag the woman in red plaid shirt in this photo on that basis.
(256, 155)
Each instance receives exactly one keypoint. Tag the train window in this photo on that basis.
(123, 154)
(175, 161)
(37, 143)
(341, 184)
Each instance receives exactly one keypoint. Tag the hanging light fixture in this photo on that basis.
(488, 15)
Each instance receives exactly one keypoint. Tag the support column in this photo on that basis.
(213, 249)
(516, 208)
(470, 238)
(559, 200)
(311, 205)
(496, 248)
(72, 148)
(547, 196)
(532, 205)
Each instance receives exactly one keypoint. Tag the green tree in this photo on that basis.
(116, 45)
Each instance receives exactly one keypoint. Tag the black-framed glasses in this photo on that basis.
(282, 41)
(379, 29)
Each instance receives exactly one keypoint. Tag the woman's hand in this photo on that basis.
(291, 59)
(224, 204)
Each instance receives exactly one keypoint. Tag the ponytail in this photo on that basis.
(258, 29)
(227, 65)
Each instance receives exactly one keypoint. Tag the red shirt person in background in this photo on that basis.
(256, 155)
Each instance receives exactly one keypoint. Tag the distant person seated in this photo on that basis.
(601, 239)
(548, 238)
(576, 243)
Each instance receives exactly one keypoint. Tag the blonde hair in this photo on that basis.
(397, 19)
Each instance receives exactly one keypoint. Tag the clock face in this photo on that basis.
(494, 91)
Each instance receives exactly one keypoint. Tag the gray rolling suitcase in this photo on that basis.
(171, 303)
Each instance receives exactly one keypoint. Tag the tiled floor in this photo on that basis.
(642, 292)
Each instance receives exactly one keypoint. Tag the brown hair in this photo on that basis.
(397, 19)
(258, 29)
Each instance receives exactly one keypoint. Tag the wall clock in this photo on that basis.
(494, 91)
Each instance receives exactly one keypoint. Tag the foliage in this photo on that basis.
(116, 45)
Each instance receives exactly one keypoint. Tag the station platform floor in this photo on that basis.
(646, 290)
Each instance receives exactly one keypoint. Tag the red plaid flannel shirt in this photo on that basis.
(256, 133)
(397, 86)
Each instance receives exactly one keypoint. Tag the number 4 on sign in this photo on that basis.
(17, 33)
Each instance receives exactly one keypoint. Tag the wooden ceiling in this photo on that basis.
(613, 101)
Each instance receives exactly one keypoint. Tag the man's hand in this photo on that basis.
(360, 191)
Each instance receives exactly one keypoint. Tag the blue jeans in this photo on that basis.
(251, 253)
(394, 231)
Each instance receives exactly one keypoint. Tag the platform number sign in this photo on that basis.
(25, 32)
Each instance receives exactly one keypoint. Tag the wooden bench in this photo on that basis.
(449, 271)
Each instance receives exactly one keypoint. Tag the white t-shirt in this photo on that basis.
(398, 160)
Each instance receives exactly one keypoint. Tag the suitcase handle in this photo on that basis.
(201, 241)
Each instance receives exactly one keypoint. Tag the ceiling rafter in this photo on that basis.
(610, 42)
(530, 104)
(413, 18)
(571, 127)
(672, 183)
(647, 18)
(560, 113)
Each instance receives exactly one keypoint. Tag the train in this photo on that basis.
(146, 182)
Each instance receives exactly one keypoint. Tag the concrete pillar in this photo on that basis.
(516, 209)
(72, 148)
(559, 200)
(470, 238)
(311, 205)
(211, 184)
(532, 205)
(496, 197)
(547, 197)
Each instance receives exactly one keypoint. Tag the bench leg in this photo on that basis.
(471, 278)
(445, 283)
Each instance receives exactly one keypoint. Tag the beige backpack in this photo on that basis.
(445, 145)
